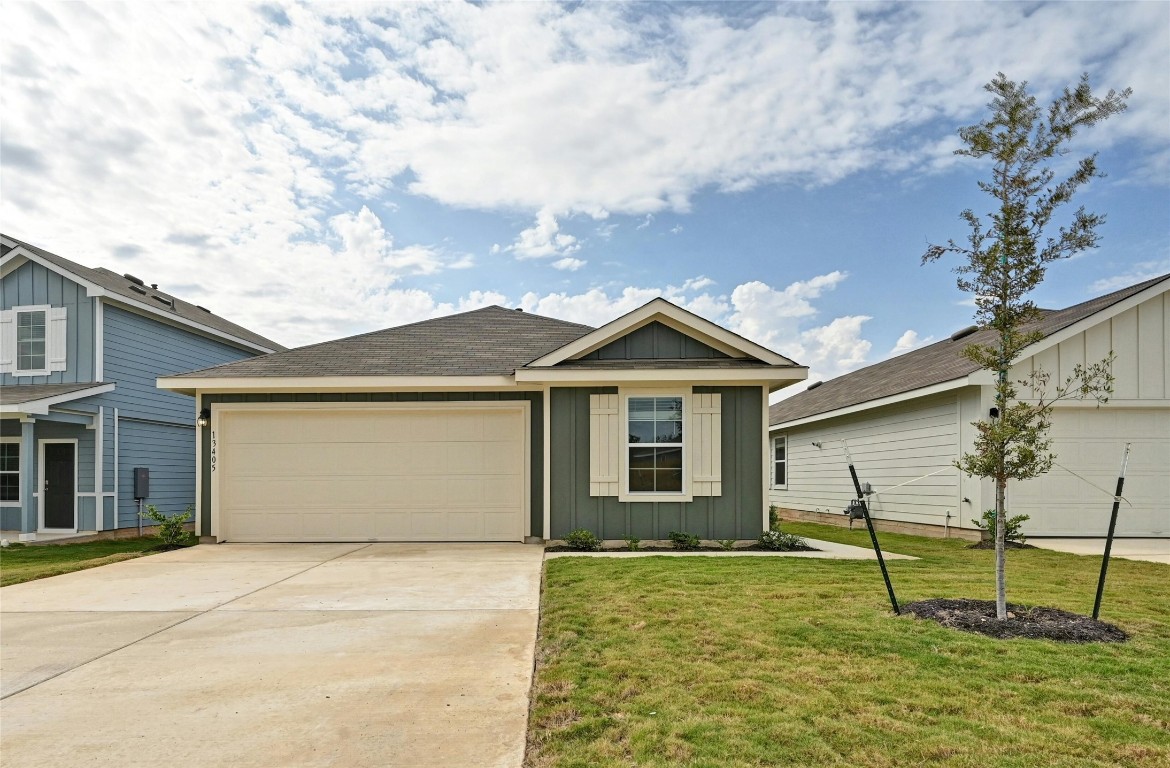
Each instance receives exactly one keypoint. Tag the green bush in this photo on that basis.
(782, 542)
(727, 544)
(632, 543)
(170, 527)
(1012, 526)
(773, 517)
(681, 540)
(582, 540)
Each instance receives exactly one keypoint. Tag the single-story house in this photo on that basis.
(491, 425)
(907, 419)
(80, 350)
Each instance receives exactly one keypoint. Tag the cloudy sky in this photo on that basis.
(323, 170)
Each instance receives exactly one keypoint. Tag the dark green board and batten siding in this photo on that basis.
(655, 341)
(736, 514)
(536, 432)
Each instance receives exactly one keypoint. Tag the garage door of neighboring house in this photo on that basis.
(400, 472)
(1090, 442)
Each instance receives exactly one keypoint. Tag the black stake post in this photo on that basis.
(1109, 538)
(872, 533)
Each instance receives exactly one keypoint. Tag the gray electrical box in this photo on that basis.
(141, 482)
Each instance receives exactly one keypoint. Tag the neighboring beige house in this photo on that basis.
(911, 416)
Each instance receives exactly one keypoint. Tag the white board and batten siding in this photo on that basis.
(1090, 441)
(889, 445)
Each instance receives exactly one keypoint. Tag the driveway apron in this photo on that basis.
(274, 655)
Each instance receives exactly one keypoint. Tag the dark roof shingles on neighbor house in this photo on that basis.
(117, 284)
(934, 364)
(28, 393)
(492, 341)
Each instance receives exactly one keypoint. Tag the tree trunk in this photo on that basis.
(1000, 539)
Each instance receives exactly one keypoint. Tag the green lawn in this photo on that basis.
(20, 562)
(787, 661)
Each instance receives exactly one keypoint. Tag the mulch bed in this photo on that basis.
(1006, 545)
(752, 548)
(1035, 623)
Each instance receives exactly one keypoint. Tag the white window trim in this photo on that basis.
(19, 476)
(17, 371)
(624, 492)
(772, 462)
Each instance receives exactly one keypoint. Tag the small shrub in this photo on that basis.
(170, 527)
(681, 540)
(727, 544)
(778, 541)
(773, 517)
(1011, 529)
(632, 543)
(582, 540)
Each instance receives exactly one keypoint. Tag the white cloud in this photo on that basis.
(544, 239)
(568, 264)
(646, 221)
(676, 229)
(908, 341)
(1137, 273)
(224, 150)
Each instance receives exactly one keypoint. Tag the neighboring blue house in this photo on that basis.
(80, 350)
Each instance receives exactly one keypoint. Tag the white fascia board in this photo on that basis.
(674, 316)
(1096, 318)
(901, 397)
(11, 263)
(41, 406)
(212, 385)
(94, 290)
(773, 378)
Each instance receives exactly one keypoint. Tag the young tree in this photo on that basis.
(1006, 257)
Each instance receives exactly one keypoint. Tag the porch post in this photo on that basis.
(28, 503)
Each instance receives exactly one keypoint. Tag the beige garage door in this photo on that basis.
(1090, 442)
(371, 474)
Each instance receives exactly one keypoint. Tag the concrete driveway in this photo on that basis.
(274, 655)
(1150, 550)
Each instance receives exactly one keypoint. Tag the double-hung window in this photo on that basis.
(10, 471)
(655, 444)
(31, 340)
(779, 461)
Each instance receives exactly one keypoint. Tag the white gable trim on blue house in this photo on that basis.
(19, 255)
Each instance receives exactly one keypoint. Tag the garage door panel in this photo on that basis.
(1090, 442)
(372, 474)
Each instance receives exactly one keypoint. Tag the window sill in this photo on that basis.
(655, 497)
(30, 374)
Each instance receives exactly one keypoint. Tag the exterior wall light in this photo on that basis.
(204, 418)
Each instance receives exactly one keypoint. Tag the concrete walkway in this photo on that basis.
(1150, 550)
(274, 655)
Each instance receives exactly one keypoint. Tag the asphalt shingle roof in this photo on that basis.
(27, 393)
(492, 341)
(117, 284)
(934, 364)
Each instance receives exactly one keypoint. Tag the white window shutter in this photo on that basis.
(56, 338)
(8, 341)
(604, 445)
(706, 444)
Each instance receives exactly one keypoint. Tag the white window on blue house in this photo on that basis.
(33, 340)
(655, 444)
(779, 461)
(10, 471)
